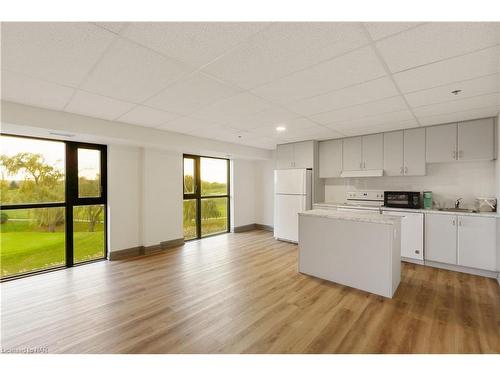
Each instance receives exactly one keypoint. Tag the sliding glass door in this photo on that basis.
(206, 196)
(53, 204)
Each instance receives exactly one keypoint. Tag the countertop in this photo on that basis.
(362, 216)
(423, 211)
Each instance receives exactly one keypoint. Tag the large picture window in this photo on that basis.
(53, 204)
(206, 196)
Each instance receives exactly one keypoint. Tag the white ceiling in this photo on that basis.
(237, 81)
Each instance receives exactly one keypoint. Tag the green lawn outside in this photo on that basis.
(24, 247)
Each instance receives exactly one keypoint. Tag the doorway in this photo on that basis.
(206, 196)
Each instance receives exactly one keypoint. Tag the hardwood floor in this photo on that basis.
(241, 293)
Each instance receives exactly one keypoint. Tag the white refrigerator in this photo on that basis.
(292, 194)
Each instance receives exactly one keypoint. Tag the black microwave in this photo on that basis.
(402, 199)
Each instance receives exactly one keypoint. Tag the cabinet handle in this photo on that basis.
(417, 251)
(401, 170)
(453, 221)
(459, 223)
(454, 155)
(406, 170)
(364, 165)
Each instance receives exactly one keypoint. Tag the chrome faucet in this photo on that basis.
(457, 202)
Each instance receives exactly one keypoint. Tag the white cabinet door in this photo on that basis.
(412, 234)
(476, 140)
(330, 158)
(441, 142)
(414, 152)
(351, 154)
(303, 154)
(441, 238)
(373, 151)
(393, 153)
(284, 156)
(477, 242)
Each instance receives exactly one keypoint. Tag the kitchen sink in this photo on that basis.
(466, 210)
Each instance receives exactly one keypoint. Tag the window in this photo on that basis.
(206, 196)
(53, 204)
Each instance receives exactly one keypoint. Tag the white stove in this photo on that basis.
(371, 198)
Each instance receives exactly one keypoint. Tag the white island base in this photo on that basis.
(360, 250)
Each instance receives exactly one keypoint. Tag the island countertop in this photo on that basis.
(362, 216)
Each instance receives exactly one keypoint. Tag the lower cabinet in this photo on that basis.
(461, 240)
(477, 242)
(412, 234)
(441, 238)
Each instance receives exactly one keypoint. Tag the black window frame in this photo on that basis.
(198, 197)
(71, 200)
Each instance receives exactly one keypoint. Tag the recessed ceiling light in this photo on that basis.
(456, 92)
(281, 128)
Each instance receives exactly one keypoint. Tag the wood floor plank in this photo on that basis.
(241, 293)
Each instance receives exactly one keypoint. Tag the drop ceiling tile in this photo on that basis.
(385, 127)
(132, 73)
(191, 93)
(271, 117)
(474, 87)
(350, 69)
(31, 91)
(232, 108)
(460, 116)
(460, 68)
(217, 133)
(375, 122)
(59, 52)
(260, 142)
(379, 30)
(458, 105)
(363, 93)
(286, 47)
(195, 43)
(313, 133)
(185, 124)
(146, 116)
(115, 27)
(88, 104)
(436, 41)
(393, 104)
(298, 126)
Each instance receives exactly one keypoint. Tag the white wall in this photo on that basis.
(144, 171)
(243, 193)
(264, 192)
(447, 181)
(28, 120)
(124, 197)
(161, 196)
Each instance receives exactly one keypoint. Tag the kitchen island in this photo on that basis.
(358, 249)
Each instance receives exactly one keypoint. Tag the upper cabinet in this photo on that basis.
(465, 141)
(352, 154)
(476, 140)
(295, 155)
(373, 151)
(363, 153)
(284, 156)
(414, 152)
(404, 153)
(441, 142)
(330, 158)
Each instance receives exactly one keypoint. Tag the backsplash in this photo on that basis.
(447, 181)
